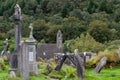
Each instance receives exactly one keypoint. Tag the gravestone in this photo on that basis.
(100, 65)
(86, 56)
(60, 62)
(75, 59)
(31, 42)
(27, 57)
(79, 64)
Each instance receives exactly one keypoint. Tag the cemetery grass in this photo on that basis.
(69, 73)
(105, 74)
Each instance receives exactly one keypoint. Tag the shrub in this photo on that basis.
(113, 45)
(86, 43)
(111, 56)
(2, 65)
(112, 59)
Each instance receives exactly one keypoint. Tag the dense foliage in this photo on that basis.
(99, 18)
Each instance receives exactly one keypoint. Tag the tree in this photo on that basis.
(45, 31)
(86, 43)
(72, 27)
(100, 31)
(40, 29)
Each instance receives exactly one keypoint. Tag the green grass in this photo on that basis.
(3, 74)
(105, 74)
(69, 73)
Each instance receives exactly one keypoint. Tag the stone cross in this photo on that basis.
(31, 38)
(17, 12)
(100, 65)
(31, 32)
(17, 19)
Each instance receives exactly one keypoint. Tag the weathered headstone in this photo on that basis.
(31, 42)
(86, 56)
(27, 57)
(75, 59)
(100, 65)
(79, 64)
(60, 62)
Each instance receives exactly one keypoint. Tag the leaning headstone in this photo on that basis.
(60, 62)
(100, 65)
(79, 64)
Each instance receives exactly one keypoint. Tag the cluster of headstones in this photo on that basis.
(79, 61)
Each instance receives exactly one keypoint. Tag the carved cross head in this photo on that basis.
(17, 9)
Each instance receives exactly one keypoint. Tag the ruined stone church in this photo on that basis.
(48, 50)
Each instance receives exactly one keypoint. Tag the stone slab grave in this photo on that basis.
(100, 65)
(75, 59)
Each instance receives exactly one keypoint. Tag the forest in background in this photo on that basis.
(83, 21)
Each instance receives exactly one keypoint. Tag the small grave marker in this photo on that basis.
(100, 65)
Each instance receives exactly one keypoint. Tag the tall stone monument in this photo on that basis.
(17, 21)
(31, 44)
(27, 57)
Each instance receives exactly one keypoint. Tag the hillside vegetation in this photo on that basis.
(99, 18)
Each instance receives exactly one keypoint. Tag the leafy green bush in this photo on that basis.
(2, 64)
(113, 45)
(86, 43)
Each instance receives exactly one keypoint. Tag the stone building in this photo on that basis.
(48, 50)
